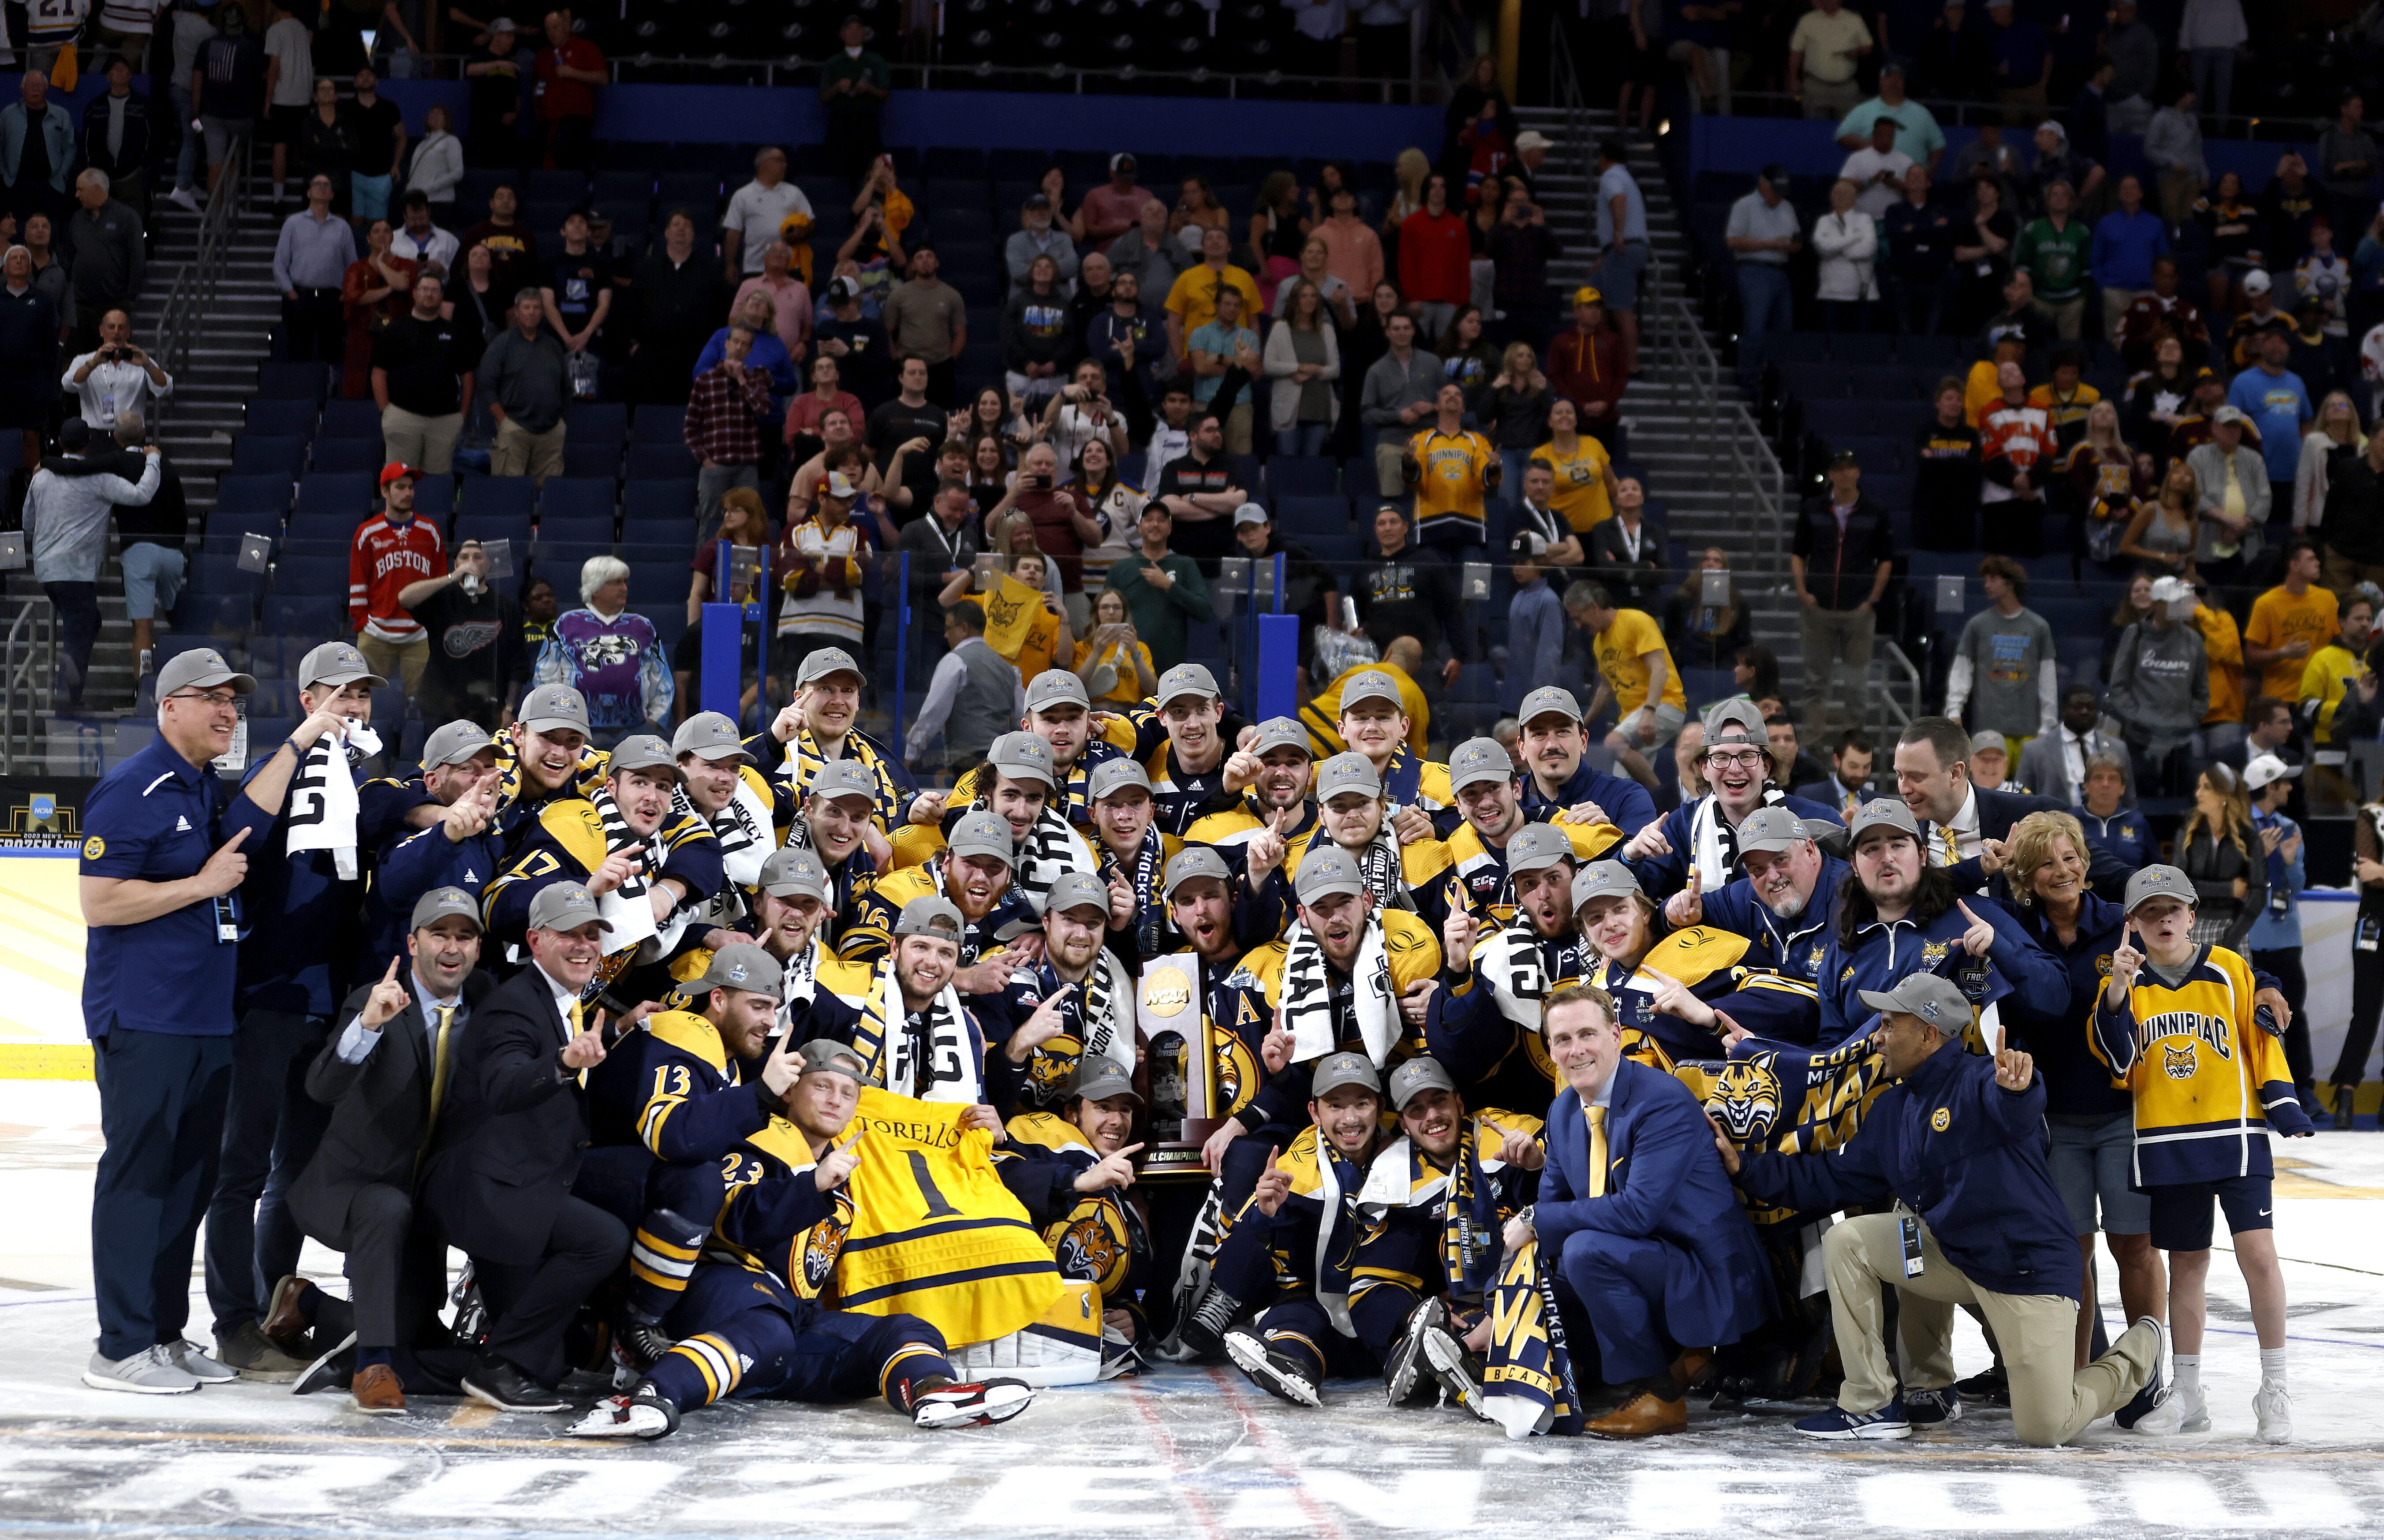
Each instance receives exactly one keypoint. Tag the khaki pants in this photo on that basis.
(2343, 573)
(2179, 192)
(519, 452)
(1237, 427)
(403, 661)
(1390, 473)
(2115, 304)
(1836, 637)
(2038, 1334)
(426, 443)
(2068, 316)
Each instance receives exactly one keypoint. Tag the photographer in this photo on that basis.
(478, 664)
(1082, 412)
(116, 377)
(1064, 524)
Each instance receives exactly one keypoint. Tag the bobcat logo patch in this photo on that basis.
(1745, 1097)
(1941, 1119)
(2176, 1061)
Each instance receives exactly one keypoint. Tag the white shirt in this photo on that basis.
(437, 247)
(757, 212)
(566, 1000)
(289, 40)
(1866, 164)
(2073, 761)
(113, 388)
(1963, 827)
(1173, 444)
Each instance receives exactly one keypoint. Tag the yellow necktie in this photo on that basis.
(1948, 853)
(578, 1018)
(1597, 1153)
(442, 1065)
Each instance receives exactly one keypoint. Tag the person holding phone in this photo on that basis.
(1115, 646)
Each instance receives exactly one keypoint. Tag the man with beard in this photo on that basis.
(1490, 796)
(1059, 712)
(734, 800)
(1074, 1187)
(914, 1035)
(816, 728)
(1561, 787)
(1133, 851)
(1701, 835)
(1683, 996)
(975, 875)
(1354, 815)
(1272, 772)
(792, 918)
(1298, 1232)
(1018, 784)
(1072, 1006)
(1784, 902)
(461, 849)
(1483, 1022)
(838, 820)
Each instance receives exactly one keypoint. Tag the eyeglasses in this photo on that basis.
(1727, 756)
(210, 697)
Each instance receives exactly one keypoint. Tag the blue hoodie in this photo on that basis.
(1794, 946)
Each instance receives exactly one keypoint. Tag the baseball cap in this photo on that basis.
(1056, 687)
(565, 906)
(828, 661)
(1989, 741)
(1185, 678)
(1371, 685)
(740, 965)
(1533, 139)
(1525, 545)
(551, 706)
(1039, 200)
(1844, 457)
(1075, 889)
(843, 777)
(1417, 1075)
(1023, 756)
(1478, 759)
(1775, 173)
(2049, 125)
(1546, 700)
(1741, 714)
(2228, 414)
(1534, 845)
(1326, 872)
(1346, 773)
(442, 902)
(1770, 829)
(1887, 813)
(840, 486)
(984, 833)
(931, 916)
(1336, 1070)
(842, 291)
(2267, 770)
(1194, 861)
(2172, 591)
(200, 668)
(1282, 732)
(1121, 161)
(455, 743)
(1114, 775)
(2257, 281)
(1099, 1077)
(1248, 513)
(1603, 879)
(709, 734)
(336, 663)
(2158, 882)
(503, 24)
(826, 1056)
(641, 751)
(398, 470)
(791, 870)
(1931, 997)
(1587, 294)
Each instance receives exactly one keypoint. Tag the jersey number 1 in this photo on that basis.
(937, 1207)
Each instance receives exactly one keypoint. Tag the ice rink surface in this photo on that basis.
(1182, 1452)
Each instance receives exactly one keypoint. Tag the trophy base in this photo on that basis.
(1180, 1157)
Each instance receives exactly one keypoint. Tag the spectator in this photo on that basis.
(2135, 54)
(2287, 203)
(723, 426)
(2337, 428)
(1035, 341)
(942, 546)
(1636, 675)
(1586, 365)
(1918, 137)
(858, 342)
(1453, 470)
(1920, 236)
(2158, 399)
(1536, 623)
(1763, 234)
(855, 83)
(910, 415)
(373, 292)
(2173, 144)
(228, 93)
(2023, 63)
(927, 319)
(2290, 622)
(2066, 398)
(577, 292)
(1512, 407)
(2276, 403)
(1534, 511)
(310, 263)
(1982, 250)
(2056, 251)
(116, 377)
(1628, 552)
(1114, 646)
(2125, 516)
(495, 106)
(801, 431)
(1839, 560)
(790, 300)
(1407, 594)
(1161, 588)
(1877, 170)
(420, 241)
(2320, 353)
(1148, 252)
(422, 369)
(973, 696)
(757, 313)
(2351, 521)
(2210, 36)
(1303, 358)
(2196, 427)
(1066, 525)
(1199, 493)
(152, 534)
(821, 561)
(28, 352)
(2159, 689)
(1623, 241)
(1945, 485)
(611, 655)
(103, 251)
(2017, 453)
(569, 70)
(114, 139)
(477, 663)
(1846, 241)
(2128, 243)
(1038, 236)
(1955, 61)
(288, 62)
(673, 302)
(2159, 311)
(1520, 247)
(1705, 634)
(1114, 207)
(524, 377)
(1224, 361)
(2061, 764)
(757, 211)
(1827, 47)
(434, 173)
(66, 525)
(377, 133)
(512, 246)
(1584, 492)
(1401, 390)
(2090, 115)
(389, 551)
(1353, 254)
(326, 143)
(1192, 302)
(2003, 667)
(1436, 260)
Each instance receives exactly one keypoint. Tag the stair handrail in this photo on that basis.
(191, 301)
(1889, 652)
(22, 678)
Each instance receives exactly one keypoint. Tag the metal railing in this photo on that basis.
(1901, 675)
(192, 301)
(28, 662)
(1954, 113)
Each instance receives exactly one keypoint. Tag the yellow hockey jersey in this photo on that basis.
(1454, 473)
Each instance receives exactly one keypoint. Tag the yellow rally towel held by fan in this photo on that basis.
(1018, 627)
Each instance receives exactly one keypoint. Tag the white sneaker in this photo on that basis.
(2179, 1412)
(147, 1373)
(188, 1358)
(2274, 1407)
(185, 197)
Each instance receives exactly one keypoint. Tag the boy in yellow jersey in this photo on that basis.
(1452, 470)
(1635, 674)
(2179, 1024)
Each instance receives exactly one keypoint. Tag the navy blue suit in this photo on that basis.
(1667, 1253)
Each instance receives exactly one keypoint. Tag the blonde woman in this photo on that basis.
(2103, 474)
(2163, 531)
(1412, 170)
(1115, 647)
(2215, 846)
(2337, 428)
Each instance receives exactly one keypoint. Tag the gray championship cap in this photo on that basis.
(931, 916)
(1185, 678)
(1023, 757)
(550, 707)
(1931, 998)
(1740, 714)
(641, 751)
(1326, 871)
(1099, 1077)
(1194, 861)
(1347, 773)
(709, 734)
(843, 777)
(1421, 1074)
(1479, 758)
(2158, 882)
(1371, 685)
(740, 965)
(201, 668)
(565, 906)
(1114, 775)
(791, 870)
(1056, 687)
(1548, 700)
(1882, 813)
(828, 661)
(825, 1056)
(1282, 732)
(1535, 845)
(336, 664)
(454, 743)
(984, 833)
(1771, 829)
(1336, 1070)
(1989, 741)
(440, 903)
(1603, 879)
(1248, 513)
(1075, 891)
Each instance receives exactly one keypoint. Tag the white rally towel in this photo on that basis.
(628, 908)
(322, 802)
(1307, 1001)
(1517, 972)
(742, 828)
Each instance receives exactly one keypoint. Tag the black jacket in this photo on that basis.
(2353, 523)
(380, 1108)
(1635, 584)
(1839, 569)
(515, 1127)
(132, 151)
(1998, 811)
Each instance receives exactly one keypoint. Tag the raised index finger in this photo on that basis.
(1966, 911)
(390, 976)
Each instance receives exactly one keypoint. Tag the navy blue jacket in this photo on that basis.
(1663, 876)
(1628, 806)
(1664, 1181)
(2123, 844)
(299, 951)
(1978, 1177)
(1794, 946)
(411, 864)
(1884, 954)
(2076, 1083)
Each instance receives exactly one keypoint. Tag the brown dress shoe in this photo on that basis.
(1643, 1416)
(376, 1391)
(284, 1325)
(1692, 1362)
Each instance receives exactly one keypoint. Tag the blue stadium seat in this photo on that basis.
(214, 616)
(327, 534)
(658, 424)
(1303, 476)
(219, 572)
(351, 419)
(507, 496)
(389, 708)
(264, 730)
(1335, 549)
(564, 529)
(659, 461)
(262, 454)
(699, 192)
(651, 540)
(576, 497)
(224, 531)
(1302, 516)
(348, 494)
(291, 381)
(275, 417)
(672, 498)
(254, 494)
(349, 457)
(496, 527)
(601, 459)
(618, 189)
(559, 562)
(275, 697)
(297, 615)
(597, 422)
(434, 498)
(310, 575)
(669, 621)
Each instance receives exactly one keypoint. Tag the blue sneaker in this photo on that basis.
(2156, 1388)
(1927, 1408)
(1888, 1422)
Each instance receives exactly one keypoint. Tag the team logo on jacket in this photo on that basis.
(93, 848)
(1941, 1119)
(1933, 953)
(1813, 961)
(2176, 1061)
(1745, 1097)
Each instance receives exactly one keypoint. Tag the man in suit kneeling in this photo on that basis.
(1653, 1252)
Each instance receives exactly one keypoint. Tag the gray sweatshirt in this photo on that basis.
(66, 519)
(2173, 142)
(2160, 684)
(1391, 386)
